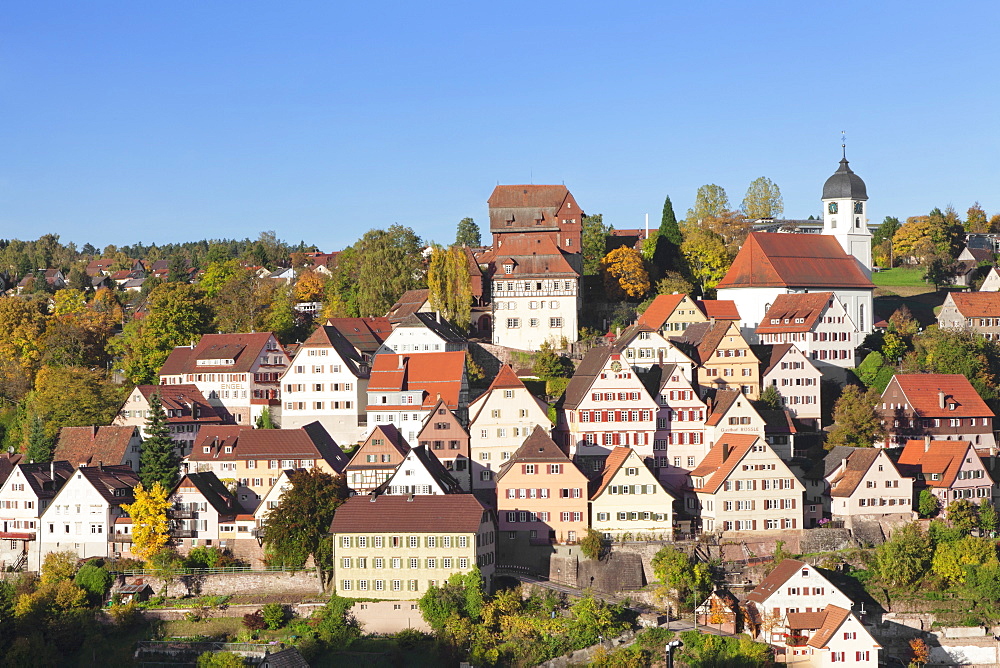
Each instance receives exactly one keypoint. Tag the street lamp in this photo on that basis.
(671, 646)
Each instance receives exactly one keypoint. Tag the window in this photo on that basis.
(513, 323)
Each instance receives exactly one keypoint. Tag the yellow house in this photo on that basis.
(725, 360)
(627, 501)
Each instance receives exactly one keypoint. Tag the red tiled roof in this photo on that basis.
(720, 309)
(722, 459)
(805, 620)
(724, 400)
(517, 207)
(788, 309)
(977, 304)
(794, 260)
(244, 349)
(775, 579)
(91, 445)
(858, 462)
(659, 310)
(612, 464)
(420, 513)
(434, 373)
(944, 458)
(923, 392)
(409, 303)
(835, 616)
(506, 379)
(537, 448)
(183, 397)
(216, 437)
(365, 334)
(534, 256)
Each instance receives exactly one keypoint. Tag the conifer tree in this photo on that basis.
(39, 443)
(159, 461)
(667, 254)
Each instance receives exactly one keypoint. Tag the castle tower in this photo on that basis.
(845, 211)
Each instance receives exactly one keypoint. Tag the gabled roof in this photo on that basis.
(182, 397)
(858, 464)
(431, 464)
(308, 442)
(583, 378)
(8, 461)
(835, 616)
(392, 437)
(214, 491)
(976, 304)
(660, 309)
(328, 336)
(776, 579)
(924, 391)
(435, 323)
(505, 379)
(534, 257)
(409, 303)
(722, 459)
(243, 349)
(537, 448)
(40, 478)
(720, 309)
(92, 445)
(365, 334)
(703, 338)
(438, 375)
(788, 310)
(943, 458)
(419, 513)
(109, 479)
(794, 261)
(771, 356)
(720, 405)
(615, 461)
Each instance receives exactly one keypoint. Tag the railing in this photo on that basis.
(181, 514)
(215, 571)
(184, 533)
(119, 538)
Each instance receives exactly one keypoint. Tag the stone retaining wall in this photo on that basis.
(227, 584)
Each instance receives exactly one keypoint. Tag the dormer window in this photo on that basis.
(951, 407)
(508, 269)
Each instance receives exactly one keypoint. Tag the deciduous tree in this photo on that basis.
(150, 527)
(957, 351)
(763, 200)
(468, 234)
(904, 558)
(623, 269)
(961, 514)
(706, 257)
(73, 397)
(159, 461)
(448, 285)
(976, 220)
(710, 201)
(675, 570)
(906, 238)
(389, 263)
(299, 527)
(987, 517)
(951, 558)
(927, 504)
(855, 421)
(309, 287)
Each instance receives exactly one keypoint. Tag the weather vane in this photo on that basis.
(843, 142)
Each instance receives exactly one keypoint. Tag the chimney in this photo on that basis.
(927, 442)
(725, 450)
(409, 499)
(941, 399)
(52, 471)
(711, 321)
(402, 361)
(843, 464)
(437, 316)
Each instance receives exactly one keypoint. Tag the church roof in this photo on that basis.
(769, 260)
(844, 184)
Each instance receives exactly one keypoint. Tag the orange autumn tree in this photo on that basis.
(624, 272)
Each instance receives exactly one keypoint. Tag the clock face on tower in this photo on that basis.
(858, 206)
(616, 366)
(832, 208)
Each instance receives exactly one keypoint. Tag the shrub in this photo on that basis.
(94, 579)
(274, 615)
(220, 660)
(254, 621)
(58, 566)
(125, 616)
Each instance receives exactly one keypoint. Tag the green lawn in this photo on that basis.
(899, 276)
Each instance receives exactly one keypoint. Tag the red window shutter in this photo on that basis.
(524, 469)
(754, 524)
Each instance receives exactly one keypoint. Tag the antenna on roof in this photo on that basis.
(843, 143)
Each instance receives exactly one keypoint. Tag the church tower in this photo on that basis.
(845, 209)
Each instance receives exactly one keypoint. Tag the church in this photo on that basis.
(839, 260)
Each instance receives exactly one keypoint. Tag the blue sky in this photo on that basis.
(172, 121)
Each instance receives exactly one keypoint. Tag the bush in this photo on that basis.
(58, 566)
(94, 579)
(254, 621)
(220, 660)
(125, 616)
(274, 616)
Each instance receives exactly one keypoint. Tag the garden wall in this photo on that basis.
(222, 584)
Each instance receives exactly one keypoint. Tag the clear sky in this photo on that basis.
(173, 121)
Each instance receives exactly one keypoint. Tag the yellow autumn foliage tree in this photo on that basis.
(309, 287)
(149, 520)
(624, 270)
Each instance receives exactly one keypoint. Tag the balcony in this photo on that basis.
(119, 537)
(183, 533)
(181, 514)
